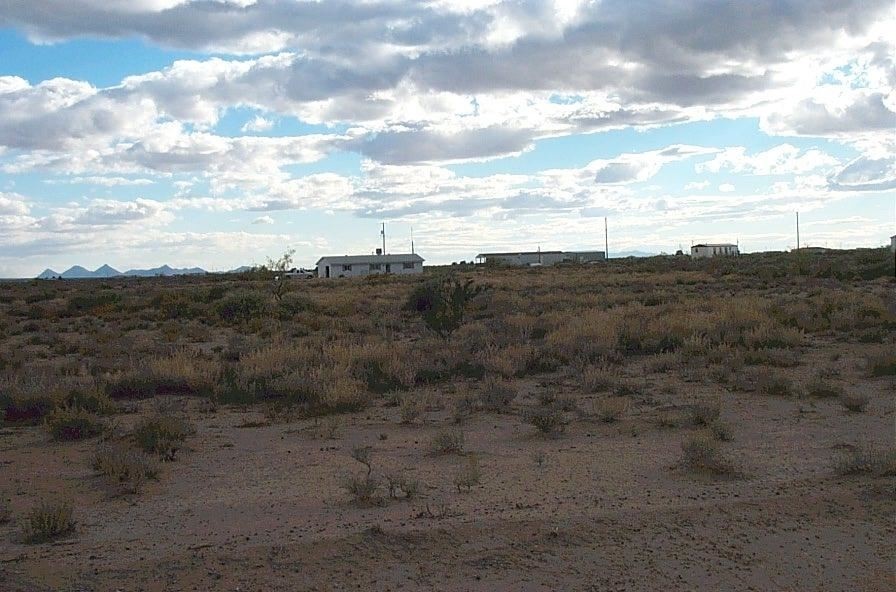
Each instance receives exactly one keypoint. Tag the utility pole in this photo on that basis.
(383, 232)
(606, 240)
(797, 231)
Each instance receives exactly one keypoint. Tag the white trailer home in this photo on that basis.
(536, 258)
(361, 265)
(716, 250)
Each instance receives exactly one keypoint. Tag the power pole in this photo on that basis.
(606, 240)
(383, 232)
(797, 231)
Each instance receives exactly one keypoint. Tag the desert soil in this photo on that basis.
(605, 506)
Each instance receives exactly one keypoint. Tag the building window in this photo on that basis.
(346, 268)
(375, 266)
(409, 265)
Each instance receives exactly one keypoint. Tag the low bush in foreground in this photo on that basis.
(882, 364)
(25, 409)
(702, 453)
(162, 435)
(5, 512)
(855, 402)
(49, 521)
(70, 423)
(124, 466)
(867, 461)
(547, 420)
(448, 442)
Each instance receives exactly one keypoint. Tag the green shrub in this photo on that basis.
(292, 304)
(49, 521)
(71, 423)
(92, 303)
(26, 408)
(242, 306)
(162, 435)
(443, 303)
(90, 399)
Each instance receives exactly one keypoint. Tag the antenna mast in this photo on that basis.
(412, 240)
(383, 232)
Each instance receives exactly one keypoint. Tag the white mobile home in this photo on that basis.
(717, 250)
(361, 265)
(536, 258)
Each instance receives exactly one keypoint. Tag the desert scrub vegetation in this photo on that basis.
(48, 521)
(5, 511)
(469, 475)
(854, 402)
(162, 435)
(497, 395)
(548, 420)
(702, 453)
(882, 363)
(610, 409)
(447, 441)
(865, 460)
(73, 423)
(123, 466)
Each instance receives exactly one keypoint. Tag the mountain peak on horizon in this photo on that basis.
(107, 271)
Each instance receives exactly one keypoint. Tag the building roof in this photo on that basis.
(520, 253)
(352, 259)
(714, 245)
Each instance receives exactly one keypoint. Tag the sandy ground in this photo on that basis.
(261, 508)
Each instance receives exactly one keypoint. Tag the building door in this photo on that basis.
(328, 271)
(388, 268)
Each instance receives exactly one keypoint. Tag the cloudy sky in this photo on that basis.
(219, 132)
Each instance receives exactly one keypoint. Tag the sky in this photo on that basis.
(217, 133)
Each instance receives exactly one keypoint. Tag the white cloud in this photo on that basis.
(783, 159)
(726, 188)
(263, 220)
(696, 185)
(257, 124)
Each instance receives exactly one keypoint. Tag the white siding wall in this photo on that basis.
(713, 251)
(529, 258)
(362, 269)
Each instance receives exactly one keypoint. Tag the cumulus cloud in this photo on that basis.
(263, 220)
(726, 187)
(866, 174)
(257, 124)
(783, 159)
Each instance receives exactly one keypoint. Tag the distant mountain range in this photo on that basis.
(106, 271)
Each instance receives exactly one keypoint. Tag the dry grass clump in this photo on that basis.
(882, 363)
(512, 360)
(855, 402)
(127, 468)
(706, 412)
(610, 409)
(71, 423)
(497, 395)
(598, 379)
(364, 489)
(5, 511)
(162, 435)
(400, 485)
(702, 453)
(864, 460)
(469, 476)
(819, 387)
(25, 408)
(449, 441)
(90, 398)
(181, 373)
(550, 421)
(773, 383)
(409, 410)
(771, 336)
(49, 521)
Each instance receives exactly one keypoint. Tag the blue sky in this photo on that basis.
(145, 132)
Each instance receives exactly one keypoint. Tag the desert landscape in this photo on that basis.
(638, 424)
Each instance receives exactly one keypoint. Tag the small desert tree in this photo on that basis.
(443, 302)
(277, 269)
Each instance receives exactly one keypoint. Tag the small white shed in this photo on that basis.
(361, 265)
